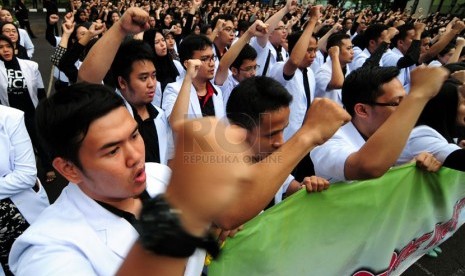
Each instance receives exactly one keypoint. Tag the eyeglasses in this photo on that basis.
(384, 104)
(229, 30)
(208, 58)
(250, 68)
(280, 28)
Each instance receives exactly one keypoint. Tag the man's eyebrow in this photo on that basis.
(277, 131)
(114, 143)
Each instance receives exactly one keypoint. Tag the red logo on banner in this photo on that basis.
(440, 231)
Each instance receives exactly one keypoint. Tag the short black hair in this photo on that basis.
(247, 53)
(190, 44)
(446, 49)
(336, 40)
(363, 85)
(62, 121)
(252, 98)
(293, 38)
(225, 17)
(129, 52)
(373, 32)
(403, 32)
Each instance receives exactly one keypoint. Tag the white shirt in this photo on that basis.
(360, 59)
(323, 77)
(227, 87)
(279, 194)
(262, 55)
(76, 235)
(424, 138)
(329, 159)
(171, 93)
(390, 58)
(295, 87)
(435, 63)
(318, 61)
(26, 42)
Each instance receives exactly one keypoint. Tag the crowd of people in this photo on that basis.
(173, 119)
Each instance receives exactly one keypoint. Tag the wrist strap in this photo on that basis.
(161, 232)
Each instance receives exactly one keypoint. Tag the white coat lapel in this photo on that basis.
(218, 103)
(195, 110)
(161, 124)
(116, 232)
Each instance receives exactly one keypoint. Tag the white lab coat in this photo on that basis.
(77, 236)
(31, 73)
(171, 93)
(164, 134)
(18, 173)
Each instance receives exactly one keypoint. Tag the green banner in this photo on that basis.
(374, 227)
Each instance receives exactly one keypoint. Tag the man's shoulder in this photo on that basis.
(9, 114)
(173, 87)
(347, 136)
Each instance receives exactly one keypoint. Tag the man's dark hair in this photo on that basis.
(446, 49)
(129, 52)
(403, 32)
(190, 44)
(336, 40)
(373, 32)
(293, 38)
(247, 53)
(64, 119)
(254, 97)
(225, 17)
(242, 26)
(204, 28)
(344, 21)
(363, 85)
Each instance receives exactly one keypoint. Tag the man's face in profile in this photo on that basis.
(267, 137)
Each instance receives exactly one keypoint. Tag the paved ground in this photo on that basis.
(450, 263)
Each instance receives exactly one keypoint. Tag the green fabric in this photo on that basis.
(348, 228)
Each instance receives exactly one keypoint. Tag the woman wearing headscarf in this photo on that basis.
(21, 87)
(168, 70)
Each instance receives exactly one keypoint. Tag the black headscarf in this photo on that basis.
(166, 70)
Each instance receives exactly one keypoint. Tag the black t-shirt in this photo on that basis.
(206, 102)
(131, 218)
(18, 95)
(148, 131)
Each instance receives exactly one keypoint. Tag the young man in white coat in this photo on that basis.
(134, 75)
(206, 99)
(112, 208)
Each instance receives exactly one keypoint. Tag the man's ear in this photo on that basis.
(122, 82)
(372, 43)
(67, 169)
(234, 71)
(361, 110)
